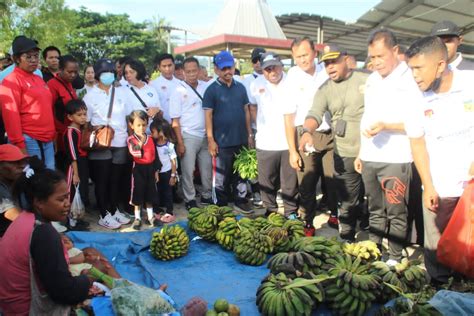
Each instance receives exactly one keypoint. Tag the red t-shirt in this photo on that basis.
(62, 92)
(26, 107)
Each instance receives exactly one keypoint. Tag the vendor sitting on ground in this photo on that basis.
(34, 278)
(80, 260)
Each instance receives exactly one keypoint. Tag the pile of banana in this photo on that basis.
(205, 222)
(279, 296)
(276, 219)
(319, 247)
(354, 288)
(388, 275)
(169, 243)
(260, 223)
(226, 233)
(295, 229)
(366, 250)
(246, 223)
(298, 263)
(412, 275)
(280, 238)
(252, 247)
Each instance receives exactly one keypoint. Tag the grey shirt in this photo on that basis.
(344, 99)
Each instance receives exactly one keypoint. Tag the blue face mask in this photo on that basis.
(107, 78)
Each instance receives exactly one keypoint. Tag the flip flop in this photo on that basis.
(168, 218)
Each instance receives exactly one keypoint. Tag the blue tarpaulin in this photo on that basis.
(207, 270)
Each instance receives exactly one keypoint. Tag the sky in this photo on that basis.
(200, 15)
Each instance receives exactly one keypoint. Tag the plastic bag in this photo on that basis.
(77, 207)
(456, 245)
(453, 303)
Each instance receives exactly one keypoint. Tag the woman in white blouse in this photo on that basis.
(143, 95)
(110, 168)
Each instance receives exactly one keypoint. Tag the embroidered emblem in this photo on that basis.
(429, 113)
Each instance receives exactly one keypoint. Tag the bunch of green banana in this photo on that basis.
(295, 229)
(246, 223)
(169, 243)
(221, 212)
(414, 277)
(354, 288)
(300, 260)
(388, 275)
(206, 225)
(366, 250)
(276, 219)
(260, 223)
(252, 247)
(280, 239)
(227, 231)
(319, 247)
(279, 296)
(192, 216)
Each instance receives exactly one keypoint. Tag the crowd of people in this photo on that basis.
(392, 146)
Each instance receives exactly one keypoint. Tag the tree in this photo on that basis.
(47, 21)
(112, 36)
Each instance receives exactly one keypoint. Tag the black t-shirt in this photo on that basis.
(6, 203)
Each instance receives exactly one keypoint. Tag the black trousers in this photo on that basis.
(223, 175)
(387, 188)
(350, 191)
(274, 172)
(315, 166)
(165, 191)
(112, 184)
(415, 208)
(100, 173)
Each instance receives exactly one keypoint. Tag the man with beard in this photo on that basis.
(343, 97)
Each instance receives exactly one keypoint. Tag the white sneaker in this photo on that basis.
(108, 221)
(391, 262)
(121, 218)
(59, 228)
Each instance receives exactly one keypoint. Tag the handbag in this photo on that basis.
(99, 137)
(157, 115)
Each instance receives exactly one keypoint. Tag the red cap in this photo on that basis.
(10, 152)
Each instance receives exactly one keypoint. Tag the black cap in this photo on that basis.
(257, 54)
(443, 28)
(270, 59)
(103, 65)
(22, 44)
(332, 51)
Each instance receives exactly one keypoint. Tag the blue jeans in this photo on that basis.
(33, 149)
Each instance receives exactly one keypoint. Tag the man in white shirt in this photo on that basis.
(274, 170)
(301, 84)
(166, 83)
(385, 149)
(452, 38)
(257, 53)
(189, 125)
(441, 132)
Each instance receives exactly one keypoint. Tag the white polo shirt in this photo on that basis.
(270, 122)
(98, 101)
(388, 100)
(447, 122)
(187, 106)
(147, 93)
(301, 88)
(165, 87)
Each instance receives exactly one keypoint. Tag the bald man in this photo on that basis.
(441, 130)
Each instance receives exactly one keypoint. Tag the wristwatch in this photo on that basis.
(304, 130)
(173, 175)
